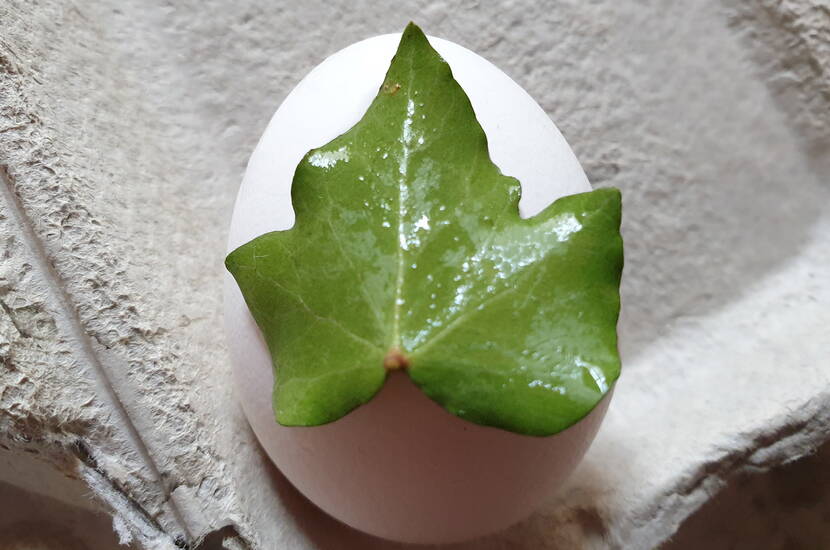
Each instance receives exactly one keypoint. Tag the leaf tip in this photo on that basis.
(236, 258)
(614, 201)
(230, 261)
(413, 30)
(414, 37)
(615, 195)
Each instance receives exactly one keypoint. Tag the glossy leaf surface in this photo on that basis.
(408, 251)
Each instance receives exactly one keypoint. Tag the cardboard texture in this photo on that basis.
(124, 132)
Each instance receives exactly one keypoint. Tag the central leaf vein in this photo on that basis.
(403, 244)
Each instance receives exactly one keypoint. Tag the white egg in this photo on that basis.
(401, 467)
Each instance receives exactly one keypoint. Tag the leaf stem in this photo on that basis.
(395, 360)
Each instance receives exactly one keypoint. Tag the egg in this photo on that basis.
(400, 466)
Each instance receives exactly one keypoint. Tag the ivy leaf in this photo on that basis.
(408, 252)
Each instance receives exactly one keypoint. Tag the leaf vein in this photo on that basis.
(316, 315)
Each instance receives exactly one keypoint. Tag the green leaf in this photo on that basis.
(408, 251)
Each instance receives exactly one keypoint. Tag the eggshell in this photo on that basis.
(401, 467)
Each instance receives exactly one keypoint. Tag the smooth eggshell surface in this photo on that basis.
(401, 467)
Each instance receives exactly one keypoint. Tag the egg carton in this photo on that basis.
(124, 132)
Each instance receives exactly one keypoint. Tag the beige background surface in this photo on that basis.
(124, 132)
